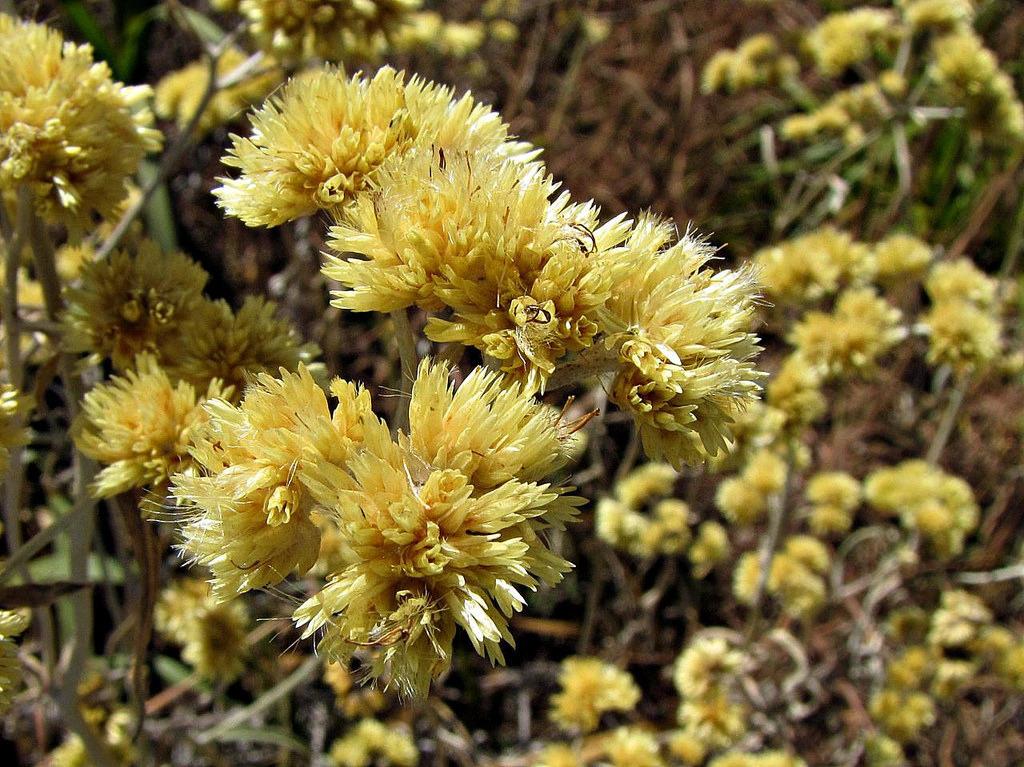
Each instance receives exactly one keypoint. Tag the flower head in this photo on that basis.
(139, 425)
(445, 526)
(13, 433)
(68, 133)
(589, 687)
(321, 139)
(130, 303)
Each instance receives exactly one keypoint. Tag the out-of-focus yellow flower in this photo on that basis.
(558, 755)
(756, 62)
(332, 30)
(810, 267)
(374, 742)
(685, 344)
(848, 113)
(759, 759)
(589, 687)
(249, 512)
(631, 747)
(849, 340)
(706, 664)
(844, 39)
(969, 76)
(834, 495)
(445, 524)
(129, 304)
(68, 133)
(211, 633)
(938, 15)
(139, 425)
(321, 139)
(178, 94)
(235, 347)
(939, 505)
(795, 391)
(710, 547)
(901, 257)
(902, 715)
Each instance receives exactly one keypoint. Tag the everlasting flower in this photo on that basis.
(969, 77)
(129, 304)
(236, 347)
(849, 340)
(632, 747)
(621, 521)
(445, 525)
(760, 759)
(939, 15)
(211, 633)
(715, 720)
(68, 133)
(842, 40)
(249, 513)
(480, 235)
(590, 688)
(901, 257)
(961, 335)
(374, 742)
(807, 268)
(756, 62)
(744, 499)
(710, 547)
(939, 505)
(178, 94)
(12, 624)
(961, 280)
(957, 621)
(706, 664)
(902, 715)
(333, 30)
(558, 755)
(833, 495)
(795, 391)
(13, 433)
(139, 425)
(320, 141)
(685, 348)
(848, 113)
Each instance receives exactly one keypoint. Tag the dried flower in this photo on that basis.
(140, 425)
(14, 408)
(589, 687)
(68, 132)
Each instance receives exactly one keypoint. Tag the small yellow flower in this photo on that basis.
(590, 688)
(68, 133)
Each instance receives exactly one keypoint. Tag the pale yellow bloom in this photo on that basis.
(589, 688)
(844, 39)
(68, 133)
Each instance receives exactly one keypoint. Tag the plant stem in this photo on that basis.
(410, 360)
(945, 430)
(80, 542)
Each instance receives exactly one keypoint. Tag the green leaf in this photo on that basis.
(91, 31)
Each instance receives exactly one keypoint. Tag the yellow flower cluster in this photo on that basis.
(374, 742)
(810, 267)
(850, 114)
(589, 687)
(621, 521)
(900, 257)
(333, 30)
(211, 633)
(321, 139)
(115, 729)
(436, 208)
(962, 325)
(844, 39)
(834, 496)
(446, 523)
(937, 15)
(631, 747)
(704, 674)
(250, 520)
(939, 506)
(140, 425)
(450, 39)
(69, 134)
(760, 759)
(178, 94)
(710, 548)
(969, 76)
(143, 301)
(795, 392)
(756, 62)
(12, 625)
(354, 702)
(795, 576)
(849, 340)
(14, 408)
(743, 499)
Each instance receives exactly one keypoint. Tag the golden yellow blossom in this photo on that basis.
(140, 425)
(445, 524)
(68, 133)
(321, 139)
(589, 687)
(841, 40)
